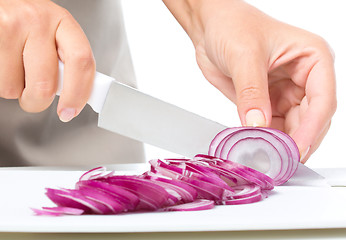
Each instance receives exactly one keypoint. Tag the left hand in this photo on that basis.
(279, 76)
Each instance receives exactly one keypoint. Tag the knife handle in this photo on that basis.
(99, 91)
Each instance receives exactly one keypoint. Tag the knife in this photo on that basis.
(137, 115)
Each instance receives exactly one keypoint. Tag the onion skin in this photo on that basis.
(186, 184)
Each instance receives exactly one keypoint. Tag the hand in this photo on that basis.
(279, 76)
(33, 36)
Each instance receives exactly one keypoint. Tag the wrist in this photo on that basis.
(193, 15)
(188, 14)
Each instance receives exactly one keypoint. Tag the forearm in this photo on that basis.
(188, 14)
(194, 15)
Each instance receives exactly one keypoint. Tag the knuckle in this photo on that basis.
(38, 16)
(35, 13)
(320, 41)
(8, 23)
(65, 14)
(322, 47)
(31, 12)
(28, 14)
(43, 89)
(83, 59)
(249, 94)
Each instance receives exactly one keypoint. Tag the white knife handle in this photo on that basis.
(99, 91)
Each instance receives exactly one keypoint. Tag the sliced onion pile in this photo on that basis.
(242, 166)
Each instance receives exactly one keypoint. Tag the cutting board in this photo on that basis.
(287, 207)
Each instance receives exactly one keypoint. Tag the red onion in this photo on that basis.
(75, 199)
(124, 197)
(58, 211)
(93, 173)
(199, 204)
(266, 150)
(242, 166)
(110, 201)
(151, 195)
(184, 192)
(246, 200)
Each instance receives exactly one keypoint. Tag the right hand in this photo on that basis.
(34, 35)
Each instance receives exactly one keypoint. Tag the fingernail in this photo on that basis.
(304, 153)
(255, 118)
(67, 114)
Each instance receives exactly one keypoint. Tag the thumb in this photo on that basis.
(252, 94)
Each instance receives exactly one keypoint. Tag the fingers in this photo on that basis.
(305, 155)
(41, 72)
(251, 86)
(75, 52)
(32, 38)
(11, 72)
(321, 105)
(40, 58)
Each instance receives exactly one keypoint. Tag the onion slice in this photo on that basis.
(57, 211)
(151, 195)
(198, 205)
(246, 200)
(75, 199)
(93, 173)
(124, 197)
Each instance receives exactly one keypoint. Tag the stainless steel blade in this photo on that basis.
(305, 176)
(142, 117)
(335, 177)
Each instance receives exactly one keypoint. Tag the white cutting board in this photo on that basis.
(288, 207)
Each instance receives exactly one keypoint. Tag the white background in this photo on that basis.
(165, 64)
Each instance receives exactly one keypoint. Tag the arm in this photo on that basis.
(278, 75)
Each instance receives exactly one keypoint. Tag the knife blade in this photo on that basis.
(305, 176)
(129, 112)
(137, 115)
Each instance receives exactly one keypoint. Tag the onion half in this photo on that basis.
(267, 150)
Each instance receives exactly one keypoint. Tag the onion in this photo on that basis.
(58, 211)
(75, 199)
(151, 196)
(199, 204)
(267, 150)
(246, 200)
(93, 173)
(205, 189)
(242, 165)
(184, 191)
(110, 201)
(126, 198)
